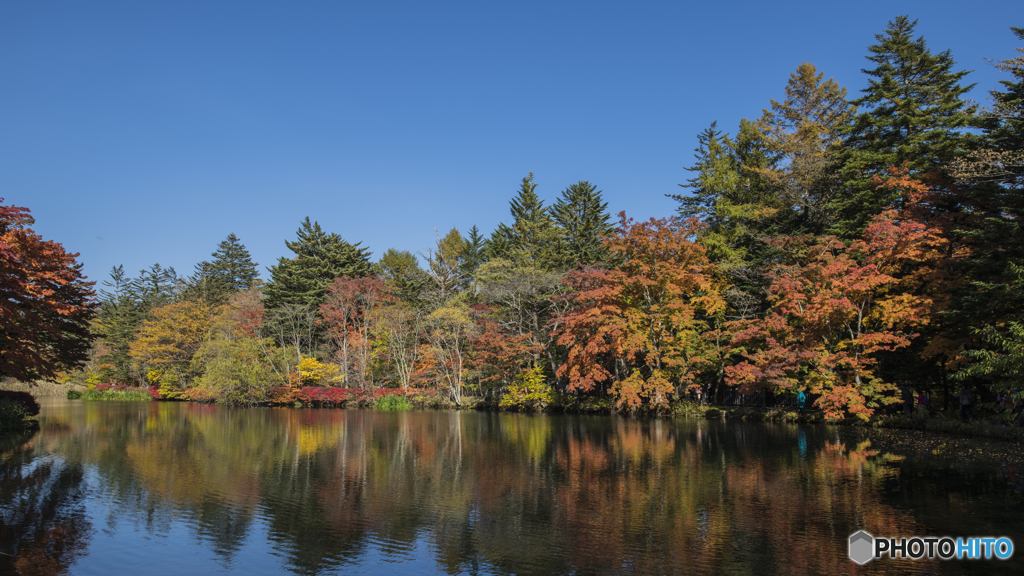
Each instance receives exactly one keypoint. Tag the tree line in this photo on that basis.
(843, 247)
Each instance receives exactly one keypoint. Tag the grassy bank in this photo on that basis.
(111, 394)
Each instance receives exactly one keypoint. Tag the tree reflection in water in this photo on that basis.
(331, 490)
(43, 526)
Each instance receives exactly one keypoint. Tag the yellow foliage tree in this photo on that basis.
(167, 342)
(313, 372)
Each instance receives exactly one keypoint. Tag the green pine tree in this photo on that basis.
(402, 275)
(532, 239)
(204, 284)
(584, 221)
(987, 311)
(911, 114)
(319, 259)
(728, 196)
(233, 265)
(473, 253)
(121, 314)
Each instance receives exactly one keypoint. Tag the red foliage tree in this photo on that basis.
(835, 311)
(347, 317)
(499, 356)
(640, 326)
(45, 303)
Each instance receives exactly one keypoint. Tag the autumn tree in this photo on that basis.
(448, 331)
(835, 312)
(167, 342)
(445, 267)
(804, 133)
(638, 329)
(46, 304)
(235, 361)
(526, 301)
(499, 356)
(347, 316)
(396, 335)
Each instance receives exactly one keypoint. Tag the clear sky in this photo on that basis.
(142, 132)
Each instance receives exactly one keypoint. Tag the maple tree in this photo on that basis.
(46, 304)
(638, 327)
(499, 357)
(834, 312)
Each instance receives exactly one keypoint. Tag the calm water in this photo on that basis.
(164, 488)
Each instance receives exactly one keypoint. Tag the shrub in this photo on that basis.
(392, 402)
(26, 400)
(13, 415)
(530, 391)
(74, 394)
(689, 408)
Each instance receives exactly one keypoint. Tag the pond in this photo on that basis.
(175, 488)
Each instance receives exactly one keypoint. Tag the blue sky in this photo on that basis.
(142, 132)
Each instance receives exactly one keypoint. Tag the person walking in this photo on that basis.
(966, 403)
(922, 405)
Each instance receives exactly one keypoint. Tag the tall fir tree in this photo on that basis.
(473, 253)
(911, 114)
(231, 270)
(121, 314)
(403, 278)
(716, 177)
(233, 265)
(204, 285)
(585, 223)
(532, 238)
(319, 259)
(156, 286)
(730, 197)
(989, 303)
(1008, 111)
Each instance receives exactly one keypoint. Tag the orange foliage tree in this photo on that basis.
(45, 303)
(498, 355)
(835, 311)
(639, 327)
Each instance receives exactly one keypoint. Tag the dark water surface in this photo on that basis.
(167, 488)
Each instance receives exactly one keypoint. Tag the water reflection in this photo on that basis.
(202, 488)
(43, 527)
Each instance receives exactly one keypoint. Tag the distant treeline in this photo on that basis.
(842, 247)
